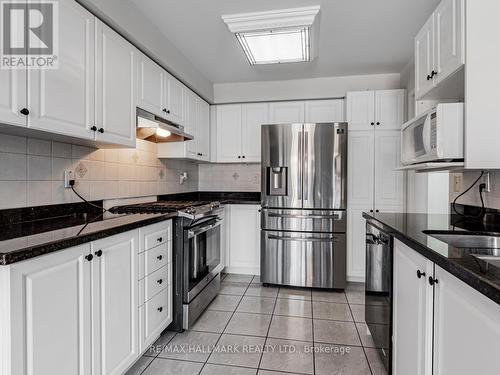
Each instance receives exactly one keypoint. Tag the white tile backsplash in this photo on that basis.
(32, 172)
(491, 199)
(229, 177)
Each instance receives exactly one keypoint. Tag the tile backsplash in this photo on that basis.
(491, 199)
(229, 177)
(32, 172)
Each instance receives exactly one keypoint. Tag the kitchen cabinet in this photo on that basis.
(356, 253)
(203, 129)
(243, 248)
(324, 110)
(440, 46)
(61, 100)
(13, 97)
(116, 61)
(286, 112)
(253, 116)
(382, 109)
(360, 167)
(46, 314)
(190, 125)
(114, 303)
(443, 315)
(412, 312)
(174, 103)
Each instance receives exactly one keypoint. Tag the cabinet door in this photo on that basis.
(190, 123)
(61, 100)
(286, 112)
(253, 116)
(229, 133)
(389, 109)
(13, 96)
(412, 312)
(361, 110)
(449, 38)
(389, 185)
(244, 239)
(462, 312)
(360, 168)
(324, 110)
(151, 86)
(356, 246)
(115, 87)
(115, 300)
(203, 121)
(51, 314)
(424, 58)
(175, 100)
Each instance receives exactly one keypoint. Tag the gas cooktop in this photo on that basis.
(189, 209)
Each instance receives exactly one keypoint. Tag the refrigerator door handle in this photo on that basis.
(302, 239)
(293, 216)
(299, 161)
(305, 178)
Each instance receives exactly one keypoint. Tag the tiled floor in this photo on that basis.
(253, 330)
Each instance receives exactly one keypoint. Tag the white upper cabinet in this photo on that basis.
(229, 133)
(253, 116)
(203, 129)
(13, 97)
(151, 86)
(389, 109)
(449, 41)
(324, 110)
(424, 58)
(190, 123)
(174, 103)
(61, 100)
(115, 87)
(361, 110)
(286, 112)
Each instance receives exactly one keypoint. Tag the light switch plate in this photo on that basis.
(457, 183)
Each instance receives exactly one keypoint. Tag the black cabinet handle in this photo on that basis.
(159, 257)
(159, 281)
(429, 77)
(377, 211)
(239, 157)
(89, 257)
(200, 154)
(101, 130)
(160, 309)
(420, 274)
(93, 128)
(167, 111)
(433, 73)
(25, 111)
(243, 156)
(159, 239)
(371, 210)
(432, 281)
(372, 123)
(98, 253)
(378, 123)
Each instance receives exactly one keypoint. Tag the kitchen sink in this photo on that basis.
(468, 240)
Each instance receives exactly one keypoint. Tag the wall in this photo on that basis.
(491, 199)
(314, 88)
(127, 18)
(32, 172)
(229, 177)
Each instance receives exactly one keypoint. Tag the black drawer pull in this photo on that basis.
(160, 309)
(159, 257)
(98, 253)
(159, 239)
(159, 281)
(420, 274)
(89, 257)
(432, 281)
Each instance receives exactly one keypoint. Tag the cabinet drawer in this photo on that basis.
(154, 235)
(154, 259)
(155, 282)
(155, 315)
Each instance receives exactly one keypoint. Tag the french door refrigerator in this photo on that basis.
(304, 193)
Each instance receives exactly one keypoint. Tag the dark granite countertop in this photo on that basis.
(25, 240)
(224, 197)
(409, 228)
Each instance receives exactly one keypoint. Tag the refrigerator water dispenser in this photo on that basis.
(277, 180)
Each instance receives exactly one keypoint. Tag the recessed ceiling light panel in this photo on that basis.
(276, 37)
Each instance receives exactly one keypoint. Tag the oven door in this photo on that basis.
(303, 259)
(203, 255)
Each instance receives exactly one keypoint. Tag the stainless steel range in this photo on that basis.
(304, 189)
(197, 254)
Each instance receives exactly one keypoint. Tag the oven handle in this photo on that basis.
(301, 239)
(292, 216)
(195, 232)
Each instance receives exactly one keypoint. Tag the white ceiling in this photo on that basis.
(356, 36)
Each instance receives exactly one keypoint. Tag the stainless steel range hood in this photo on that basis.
(157, 129)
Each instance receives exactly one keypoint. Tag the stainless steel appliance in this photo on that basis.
(196, 254)
(378, 291)
(303, 222)
(435, 135)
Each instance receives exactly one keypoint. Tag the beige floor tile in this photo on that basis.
(238, 350)
(324, 296)
(300, 294)
(293, 307)
(366, 336)
(212, 321)
(257, 290)
(332, 311)
(161, 366)
(358, 312)
(259, 305)
(288, 356)
(375, 362)
(191, 346)
(232, 288)
(237, 278)
(211, 369)
(329, 361)
(335, 332)
(291, 328)
(159, 344)
(225, 302)
(249, 324)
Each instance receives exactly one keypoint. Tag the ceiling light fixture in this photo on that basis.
(276, 37)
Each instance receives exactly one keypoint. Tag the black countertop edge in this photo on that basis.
(50, 247)
(224, 197)
(474, 280)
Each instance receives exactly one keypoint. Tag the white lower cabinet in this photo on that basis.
(447, 328)
(78, 310)
(243, 247)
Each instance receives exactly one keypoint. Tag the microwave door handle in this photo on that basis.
(426, 135)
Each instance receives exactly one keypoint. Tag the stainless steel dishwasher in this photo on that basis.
(378, 291)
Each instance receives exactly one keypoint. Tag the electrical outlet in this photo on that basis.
(457, 183)
(69, 179)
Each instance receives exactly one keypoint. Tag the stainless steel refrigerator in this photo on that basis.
(304, 193)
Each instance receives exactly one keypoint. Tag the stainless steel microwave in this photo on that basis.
(434, 136)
